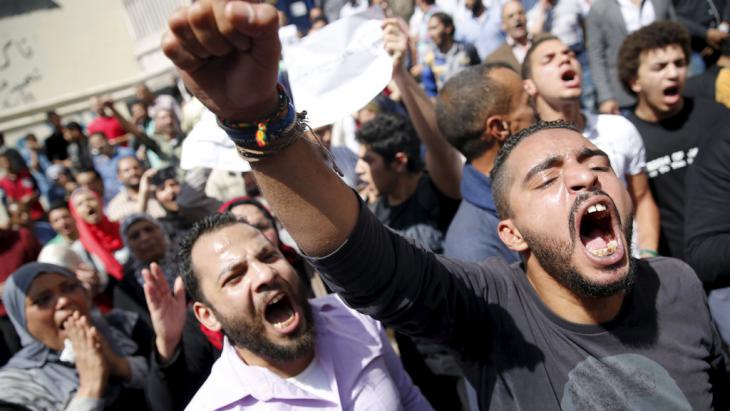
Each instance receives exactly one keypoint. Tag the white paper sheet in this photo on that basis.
(208, 145)
(340, 68)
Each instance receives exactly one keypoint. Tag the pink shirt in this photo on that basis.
(354, 353)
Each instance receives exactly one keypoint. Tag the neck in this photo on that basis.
(568, 110)
(647, 113)
(566, 304)
(485, 162)
(723, 61)
(405, 187)
(133, 191)
(478, 9)
(521, 40)
(446, 45)
(284, 369)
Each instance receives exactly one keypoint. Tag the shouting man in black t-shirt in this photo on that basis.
(653, 66)
(579, 325)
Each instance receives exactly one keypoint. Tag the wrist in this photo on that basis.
(255, 112)
(166, 347)
(648, 253)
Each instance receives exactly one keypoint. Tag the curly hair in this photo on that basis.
(655, 36)
(390, 134)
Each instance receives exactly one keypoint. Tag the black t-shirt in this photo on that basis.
(703, 85)
(424, 217)
(662, 351)
(56, 146)
(671, 146)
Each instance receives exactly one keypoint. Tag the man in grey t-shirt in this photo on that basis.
(578, 325)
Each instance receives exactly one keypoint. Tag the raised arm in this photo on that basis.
(227, 53)
(443, 162)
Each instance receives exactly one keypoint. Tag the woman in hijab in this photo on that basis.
(147, 242)
(71, 358)
(99, 236)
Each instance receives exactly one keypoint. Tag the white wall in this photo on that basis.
(82, 45)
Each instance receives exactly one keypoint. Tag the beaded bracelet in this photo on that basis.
(262, 132)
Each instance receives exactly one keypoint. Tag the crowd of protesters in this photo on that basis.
(554, 175)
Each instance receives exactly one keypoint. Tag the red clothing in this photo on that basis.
(16, 248)
(22, 185)
(109, 126)
(101, 239)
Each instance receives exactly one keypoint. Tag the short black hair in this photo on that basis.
(388, 134)
(536, 42)
(500, 179)
(72, 125)
(209, 224)
(57, 205)
(657, 35)
(164, 174)
(89, 170)
(465, 102)
(445, 19)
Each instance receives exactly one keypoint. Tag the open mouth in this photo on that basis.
(597, 231)
(280, 313)
(568, 75)
(671, 94)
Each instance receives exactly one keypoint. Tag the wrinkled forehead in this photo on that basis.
(543, 145)
(511, 7)
(239, 238)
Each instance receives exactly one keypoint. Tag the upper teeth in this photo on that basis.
(597, 207)
(276, 299)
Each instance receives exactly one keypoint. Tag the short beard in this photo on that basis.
(554, 257)
(251, 335)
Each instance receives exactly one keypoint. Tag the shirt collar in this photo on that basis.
(232, 380)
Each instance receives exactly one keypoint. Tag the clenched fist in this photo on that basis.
(227, 52)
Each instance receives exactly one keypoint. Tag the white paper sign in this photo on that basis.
(208, 145)
(340, 68)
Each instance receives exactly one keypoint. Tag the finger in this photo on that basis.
(180, 26)
(151, 292)
(159, 278)
(227, 29)
(253, 20)
(179, 56)
(179, 288)
(202, 21)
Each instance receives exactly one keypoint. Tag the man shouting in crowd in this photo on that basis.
(578, 325)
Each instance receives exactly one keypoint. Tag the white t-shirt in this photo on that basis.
(637, 16)
(618, 137)
(315, 381)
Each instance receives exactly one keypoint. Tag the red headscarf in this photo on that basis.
(100, 239)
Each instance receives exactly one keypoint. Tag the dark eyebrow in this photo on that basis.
(228, 268)
(549, 162)
(587, 153)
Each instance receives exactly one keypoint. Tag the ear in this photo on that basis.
(206, 316)
(635, 86)
(511, 236)
(530, 87)
(400, 162)
(497, 128)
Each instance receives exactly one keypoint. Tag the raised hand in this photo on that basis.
(91, 364)
(166, 309)
(227, 52)
(395, 42)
